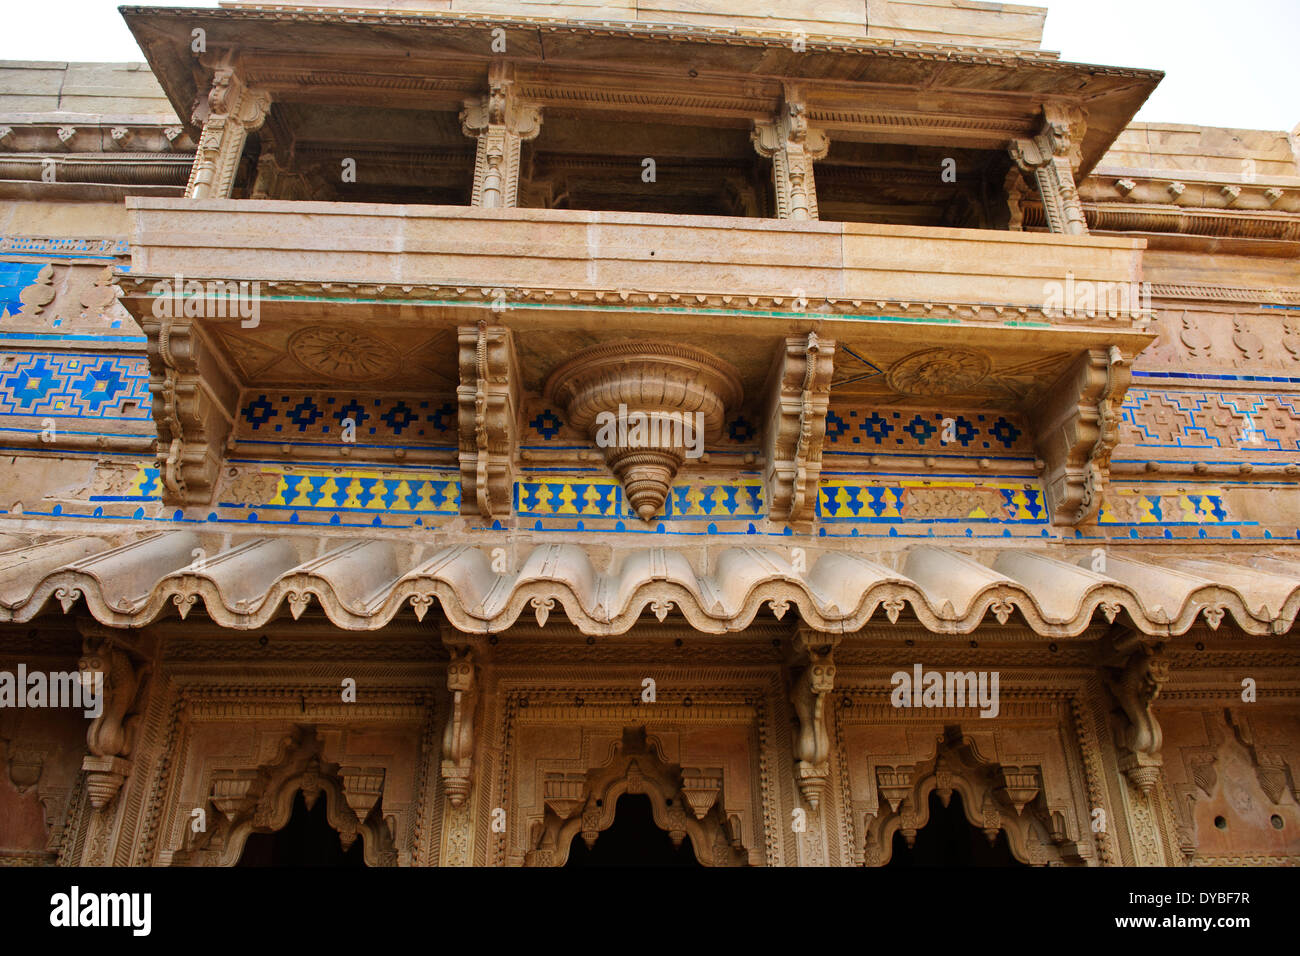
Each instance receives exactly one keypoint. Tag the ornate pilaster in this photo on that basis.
(1052, 156)
(488, 397)
(798, 395)
(230, 112)
(792, 147)
(501, 123)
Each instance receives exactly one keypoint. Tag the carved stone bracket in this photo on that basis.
(1134, 674)
(193, 408)
(458, 737)
(120, 675)
(488, 397)
(1052, 156)
(792, 146)
(229, 113)
(1076, 429)
(799, 392)
(809, 691)
(501, 123)
(644, 404)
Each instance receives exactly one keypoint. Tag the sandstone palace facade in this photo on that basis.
(485, 433)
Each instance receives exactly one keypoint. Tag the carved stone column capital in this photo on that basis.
(1052, 155)
(792, 146)
(501, 123)
(1136, 673)
(230, 111)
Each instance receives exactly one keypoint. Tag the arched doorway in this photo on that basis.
(306, 840)
(634, 839)
(948, 839)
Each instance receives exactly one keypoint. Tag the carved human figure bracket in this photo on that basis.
(1052, 156)
(501, 123)
(488, 398)
(193, 408)
(121, 671)
(798, 396)
(458, 736)
(230, 112)
(813, 673)
(1076, 428)
(1135, 673)
(792, 146)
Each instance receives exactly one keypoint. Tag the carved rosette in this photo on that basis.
(639, 402)
(796, 426)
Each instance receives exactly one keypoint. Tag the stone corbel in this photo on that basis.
(120, 673)
(814, 679)
(488, 398)
(230, 112)
(1134, 672)
(792, 146)
(458, 737)
(193, 407)
(501, 123)
(1052, 156)
(1076, 428)
(799, 393)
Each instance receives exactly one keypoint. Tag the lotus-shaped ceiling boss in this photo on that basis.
(648, 406)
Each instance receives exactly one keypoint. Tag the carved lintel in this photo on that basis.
(1134, 673)
(1076, 429)
(809, 692)
(230, 112)
(458, 737)
(799, 393)
(1052, 156)
(488, 397)
(792, 146)
(193, 406)
(501, 123)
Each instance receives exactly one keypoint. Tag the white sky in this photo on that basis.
(1228, 62)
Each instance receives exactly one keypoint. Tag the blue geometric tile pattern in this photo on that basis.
(68, 385)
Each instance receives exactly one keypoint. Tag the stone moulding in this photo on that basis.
(362, 585)
(660, 387)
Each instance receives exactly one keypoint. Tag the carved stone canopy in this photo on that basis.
(648, 406)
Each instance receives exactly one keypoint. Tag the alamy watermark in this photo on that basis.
(82, 690)
(922, 688)
(651, 430)
(213, 299)
(1087, 298)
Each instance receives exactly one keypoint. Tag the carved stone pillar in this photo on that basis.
(1052, 156)
(792, 147)
(501, 123)
(229, 113)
